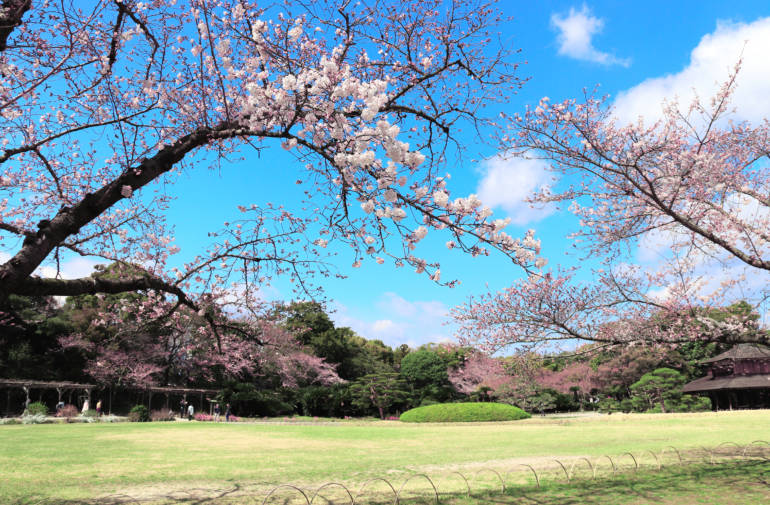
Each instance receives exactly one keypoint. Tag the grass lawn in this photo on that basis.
(83, 461)
(730, 484)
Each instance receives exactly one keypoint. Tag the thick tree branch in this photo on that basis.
(39, 286)
(69, 220)
(11, 12)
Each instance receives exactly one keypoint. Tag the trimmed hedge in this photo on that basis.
(463, 412)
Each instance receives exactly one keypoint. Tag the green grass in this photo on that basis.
(463, 413)
(80, 461)
(745, 483)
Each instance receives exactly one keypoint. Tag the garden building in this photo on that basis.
(736, 379)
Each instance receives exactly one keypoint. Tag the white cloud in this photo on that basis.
(392, 303)
(710, 63)
(507, 181)
(399, 321)
(384, 326)
(721, 281)
(712, 273)
(74, 268)
(576, 31)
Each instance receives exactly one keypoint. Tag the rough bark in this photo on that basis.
(11, 12)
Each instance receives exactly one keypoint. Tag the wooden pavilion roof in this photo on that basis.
(742, 351)
(756, 381)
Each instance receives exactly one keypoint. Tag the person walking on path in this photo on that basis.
(190, 412)
(98, 408)
(182, 408)
(227, 413)
(216, 413)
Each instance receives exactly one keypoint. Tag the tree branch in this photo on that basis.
(11, 12)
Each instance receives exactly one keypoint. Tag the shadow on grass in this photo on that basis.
(747, 482)
(734, 483)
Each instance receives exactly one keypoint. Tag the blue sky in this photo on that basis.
(639, 52)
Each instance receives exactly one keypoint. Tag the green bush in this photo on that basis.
(463, 412)
(608, 406)
(139, 414)
(37, 409)
(689, 403)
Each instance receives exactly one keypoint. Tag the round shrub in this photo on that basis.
(37, 409)
(463, 412)
(139, 414)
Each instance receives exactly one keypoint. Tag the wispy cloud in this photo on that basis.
(575, 37)
(399, 321)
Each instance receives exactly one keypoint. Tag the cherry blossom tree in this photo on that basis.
(693, 174)
(576, 377)
(106, 104)
(130, 340)
(553, 310)
(694, 180)
(478, 370)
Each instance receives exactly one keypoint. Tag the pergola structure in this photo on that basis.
(64, 387)
(172, 390)
(738, 378)
(28, 385)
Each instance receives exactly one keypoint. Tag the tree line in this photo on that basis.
(303, 364)
(105, 106)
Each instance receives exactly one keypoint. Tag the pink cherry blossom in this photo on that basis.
(103, 109)
(694, 178)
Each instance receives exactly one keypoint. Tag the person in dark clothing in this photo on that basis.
(227, 413)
